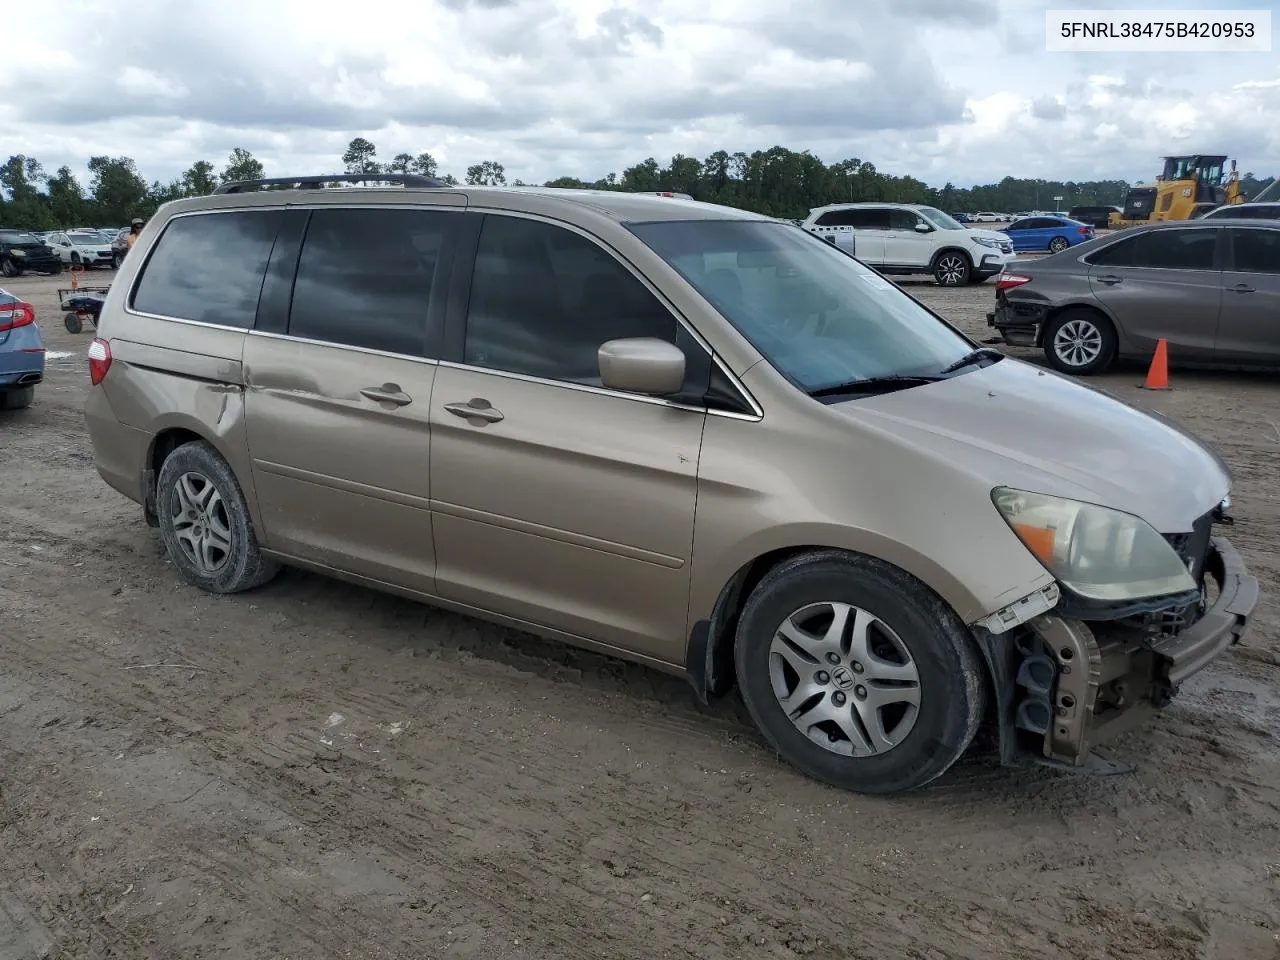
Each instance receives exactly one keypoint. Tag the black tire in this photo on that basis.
(952, 682)
(72, 323)
(18, 399)
(1058, 244)
(952, 268)
(1092, 328)
(7, 268)
(115, 261)
(75, 260)
(242, 566)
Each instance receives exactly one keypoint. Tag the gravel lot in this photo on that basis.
(314, 770)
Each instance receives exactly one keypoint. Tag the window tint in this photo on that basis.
(543, 300)
(903, 219)
(870, 219)
(835, 218)
(1165, 249)
(365, 278)
(1256, 251)
(209, 267)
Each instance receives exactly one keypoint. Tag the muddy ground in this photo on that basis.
(314, 770)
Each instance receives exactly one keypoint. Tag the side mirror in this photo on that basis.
(641, 365)
(923, 228)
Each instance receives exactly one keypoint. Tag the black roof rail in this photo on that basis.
(317, 183)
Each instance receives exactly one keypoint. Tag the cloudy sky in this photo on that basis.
(958, 90)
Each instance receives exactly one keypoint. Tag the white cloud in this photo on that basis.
(942, 90)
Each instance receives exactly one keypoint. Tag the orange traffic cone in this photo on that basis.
(1158, 373)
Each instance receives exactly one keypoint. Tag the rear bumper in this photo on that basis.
(1019, 323)
(22, 357)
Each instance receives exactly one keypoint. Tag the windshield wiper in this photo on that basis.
(891, 381)
(969, 359)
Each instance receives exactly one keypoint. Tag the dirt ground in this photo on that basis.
(314, 770)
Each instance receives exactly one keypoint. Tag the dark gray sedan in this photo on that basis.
(1210, 288)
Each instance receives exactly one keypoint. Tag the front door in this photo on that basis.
(1163, 284)
(339, 399)
(1250, 327)
(556, 501)
(906, 246)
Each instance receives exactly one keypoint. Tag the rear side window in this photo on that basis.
(209, 268)
(1162, 249)
(1256, 251)
(870, 219)
(543, 300)
(365, 278)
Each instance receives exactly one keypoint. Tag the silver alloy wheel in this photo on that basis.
(1057, 244)
(1077, 343)
(200, 523)
(845, 679)
(950, 269)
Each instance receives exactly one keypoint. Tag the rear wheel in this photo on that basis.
(857, 673)
(1058, 244)
(1080, 341)
(18, 399)
(951, 269)
(205, 524)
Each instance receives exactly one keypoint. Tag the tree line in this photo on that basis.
(777, 182)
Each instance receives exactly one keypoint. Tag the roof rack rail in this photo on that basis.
(318, 183)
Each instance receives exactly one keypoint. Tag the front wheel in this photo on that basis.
(205, 523)
(857, 673)
(7, 268)
(1080, 341)
(951, 269)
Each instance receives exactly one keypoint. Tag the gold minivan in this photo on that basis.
(684, 434)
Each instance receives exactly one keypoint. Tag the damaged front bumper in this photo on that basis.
(1064, 686)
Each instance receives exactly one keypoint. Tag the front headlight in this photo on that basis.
(987, 241)
(1094, 551)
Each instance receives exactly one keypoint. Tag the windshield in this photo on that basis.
(85, 239)
(819, 316)
(17, 236)
(942, 221)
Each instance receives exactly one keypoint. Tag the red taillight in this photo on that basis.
(99, 360)
(19, 314)
(1085, 231)
(1007, 281)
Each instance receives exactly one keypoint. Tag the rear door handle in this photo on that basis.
(1109, 278)
(388, 393)
(1242, 288)
(476, 410)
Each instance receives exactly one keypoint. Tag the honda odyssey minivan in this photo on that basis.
(679, 433)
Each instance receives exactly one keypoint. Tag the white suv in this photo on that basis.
(908, 238)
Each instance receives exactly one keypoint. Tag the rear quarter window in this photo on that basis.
(209, 267)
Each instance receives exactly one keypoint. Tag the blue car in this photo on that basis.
(1055, 234)
(21, 352)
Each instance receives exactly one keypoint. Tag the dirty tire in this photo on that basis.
(72, 323)
(952, 268)
(242, 566)
(17, 399)
(952, 683)
(1080, 341)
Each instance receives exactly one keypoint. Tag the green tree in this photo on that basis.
(425, 165)
(359, 157)
(199, 179)
(400, 163)
(487, 173)
(67, 204)
(242, 165)
(119, 192)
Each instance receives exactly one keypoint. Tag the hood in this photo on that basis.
(1013, 424)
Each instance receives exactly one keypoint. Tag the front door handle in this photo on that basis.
(1109, 278)
(1242, 288)
(477, 411)
(387, 393)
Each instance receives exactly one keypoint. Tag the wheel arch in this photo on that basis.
(939, 253)
(709, 653)
(1057, 310)
(174, 430)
